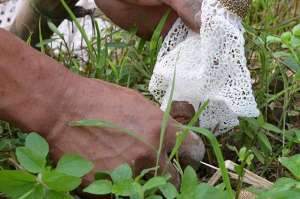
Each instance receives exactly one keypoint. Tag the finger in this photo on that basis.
(192, 151)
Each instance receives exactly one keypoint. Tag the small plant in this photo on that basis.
(35, 179)
(287, 188)
(122, 184)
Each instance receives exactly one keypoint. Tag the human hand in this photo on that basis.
(188, 10)
(107, 147)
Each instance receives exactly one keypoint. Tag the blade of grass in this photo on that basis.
(41, 36)
(156, 37)
(217, 150)
(81, 30)
(165, 121)
(107, 124)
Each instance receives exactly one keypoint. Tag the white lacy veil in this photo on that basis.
(210, 65)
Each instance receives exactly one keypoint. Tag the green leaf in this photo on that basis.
(292, 164)
(124, 188)
(54, 29)
(154, 183)
(30, 160)
(206, 191)
(286, 37)
(37, 144)
(284, 184)
(264, 141)
(271, 127)
(273, 39)
(99, 187)
(291, 63)
(296, 30)
(295, 42)
(216, 148)
(121, 173)
(37, 192)
(154, 197)
(189, 183)
(275, 194)
(74, 165)
(60, 181)
(16, 183)
(297, 76)
(169, 191)
(258, 155)
(50, 194)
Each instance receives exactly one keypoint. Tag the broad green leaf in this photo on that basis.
(169, 191)
(37, 192)
(16, 183)
(286, 37)
(284, 184)
(60, 181)
(37, 144)
(124, 188)
(50, 194)
(295, 42)
(258, 155)
(30, 160)
(273, 39)
(275, 194)
(291, 63)
(206, 191)
(138, 191)
(297, 76)
(264, 141)
(99, 187)
(271, 127)
(154, 182)
(121, 173)
(292, 164)
(189, 183)
(74, 165)
(296, 30)
(154, 197)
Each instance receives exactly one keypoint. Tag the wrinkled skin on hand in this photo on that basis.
(108, 148)
(188, 10)
(43, 96)
(61, 97)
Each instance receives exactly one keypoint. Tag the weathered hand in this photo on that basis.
(107, 147)
(187, 10)
(43, 96)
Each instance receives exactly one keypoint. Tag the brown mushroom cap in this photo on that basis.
(239, 7)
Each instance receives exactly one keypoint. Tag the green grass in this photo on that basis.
(120, 57)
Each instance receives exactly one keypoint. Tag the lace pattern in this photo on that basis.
(8, 11)
(209, 66)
